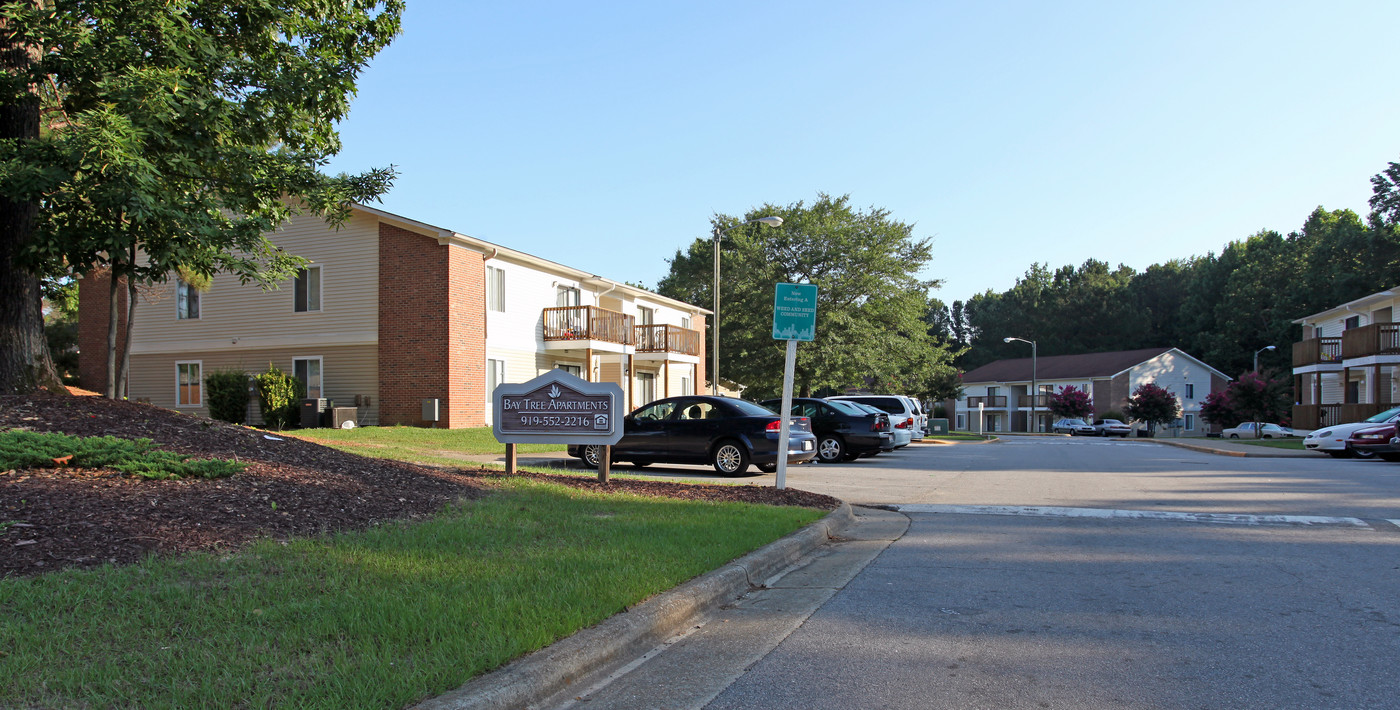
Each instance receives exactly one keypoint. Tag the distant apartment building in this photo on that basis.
(1344, 365)
(391, 312)
(998, 396)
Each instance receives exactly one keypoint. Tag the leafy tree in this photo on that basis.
(1152, 404)
(871, 305)
(174, 136)
(1071, 403)
(279, 395)
(1256, 398)
(1217, 409)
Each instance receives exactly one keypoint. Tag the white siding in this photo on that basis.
(1173, 371)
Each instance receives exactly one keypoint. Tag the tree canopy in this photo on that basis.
(155, 135)
(871, 303)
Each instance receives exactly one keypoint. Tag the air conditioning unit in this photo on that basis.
(341, 418)
(311, 410)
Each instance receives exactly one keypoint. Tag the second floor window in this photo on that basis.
(186, 300)
(1353, 322)
(495, 289)
(307, 290)
(685, 322)
(645, 316)
(568, 296)
(1190, 392)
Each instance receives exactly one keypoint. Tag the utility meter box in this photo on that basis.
(938, 426)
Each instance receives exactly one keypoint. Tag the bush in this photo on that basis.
(140, 457)
(227, 394)
(1114, 414)
(279, 394)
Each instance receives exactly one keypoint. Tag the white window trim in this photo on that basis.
(321, 284)
(178, 403)
(321, 366)
(489, 290)
(198, 296)
(1190, 420)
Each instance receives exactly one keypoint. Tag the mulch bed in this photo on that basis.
(63, 517)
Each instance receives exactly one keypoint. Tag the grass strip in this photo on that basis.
(1295, 444)
(373, 619)
(415, 443)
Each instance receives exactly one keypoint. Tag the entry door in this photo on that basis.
(646, 387)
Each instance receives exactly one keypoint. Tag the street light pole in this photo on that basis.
(1035, 389)
(1256, 356)
(770, 221)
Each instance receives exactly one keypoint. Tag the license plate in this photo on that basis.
(807, 446)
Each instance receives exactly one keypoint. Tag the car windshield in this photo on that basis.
(1384, 416)
(845, 407)
(1074, 422)
(890, 404)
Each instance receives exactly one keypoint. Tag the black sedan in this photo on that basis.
(844, 431)
(727, 433)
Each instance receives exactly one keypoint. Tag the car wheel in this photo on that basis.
(730, 458)
(1234, 436)
(640, 464)
(1357, 453)
(768, 467)
(1343, 454)
(592, 456)
(831, 449)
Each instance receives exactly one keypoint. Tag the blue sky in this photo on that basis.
(605, 135)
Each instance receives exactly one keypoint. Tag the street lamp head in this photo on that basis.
(770, 221)
(1271, 347)
(1007, 340)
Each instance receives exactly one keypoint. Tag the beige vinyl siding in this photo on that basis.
(346, 372)
(245, 316)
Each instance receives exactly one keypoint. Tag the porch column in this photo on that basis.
(665, 378)
(1317, 388)
(629, 375)
(588, 364)
(1373, 388)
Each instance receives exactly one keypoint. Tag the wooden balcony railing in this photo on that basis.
(987, 401)
(588, 323)
(1374, 339)
(1041, 401)
(1316, 416)
(1317, 351)
(667, 339)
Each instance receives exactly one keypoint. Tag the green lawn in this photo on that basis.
(375, 619)
(1296, 444)
(415, 443)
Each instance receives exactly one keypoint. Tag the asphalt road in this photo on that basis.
(1065, 573)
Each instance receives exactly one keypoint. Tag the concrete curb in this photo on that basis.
(1229, 452)
(596, 651)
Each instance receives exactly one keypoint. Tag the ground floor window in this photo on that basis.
(495, 375)
(992, 422)
(646, 387)
(1190, 422)
(687, 385)
(961, 424)
(308, 370)
(575, 370)
(188, 384)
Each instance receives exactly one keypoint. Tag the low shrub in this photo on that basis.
(139, 457)
(227, 394)
(279, 394)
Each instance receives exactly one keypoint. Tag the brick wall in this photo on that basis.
(94, 299)
(432, 330)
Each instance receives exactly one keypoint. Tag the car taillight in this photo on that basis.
(879, 424)
(904, 424)
(778, 424)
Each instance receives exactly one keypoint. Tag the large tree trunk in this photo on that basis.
(125, 368)
(113, 323)
(25, 364)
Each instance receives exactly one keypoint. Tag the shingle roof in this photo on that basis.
(1062, 367)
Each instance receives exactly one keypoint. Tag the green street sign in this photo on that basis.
(795, 312)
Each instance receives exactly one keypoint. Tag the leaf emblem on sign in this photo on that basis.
(554, 391)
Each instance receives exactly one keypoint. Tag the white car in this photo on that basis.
(900, 408)
(1332, 440)
(1245, 430)
(1073, 427)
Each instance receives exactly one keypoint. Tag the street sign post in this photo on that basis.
(794, 319)
(557, 408)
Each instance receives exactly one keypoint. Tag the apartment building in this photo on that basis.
(998, 396)
(391, 312)
(1344, 366)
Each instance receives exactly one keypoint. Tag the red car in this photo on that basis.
(1383, 441)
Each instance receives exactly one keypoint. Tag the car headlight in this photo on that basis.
(1321, 435)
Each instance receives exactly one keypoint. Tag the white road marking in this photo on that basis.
(1396, 523)
(1107, 514)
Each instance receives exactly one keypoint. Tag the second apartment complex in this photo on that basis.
(391, 312)
(1345, 365)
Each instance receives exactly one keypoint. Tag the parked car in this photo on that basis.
(900, 436)
(1112, 427)
(844, 431)
(1332, 440)
(1073, 427)
(1245, 430)
(920, 419)
(900, 408)
(729, 434)
(1382, 441)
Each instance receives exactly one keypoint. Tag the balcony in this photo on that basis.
(1318, 351)
(587, 323)
(1316, 416)
(1374, 339)
(989, 401)
(667, 339)
(1039, 401)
